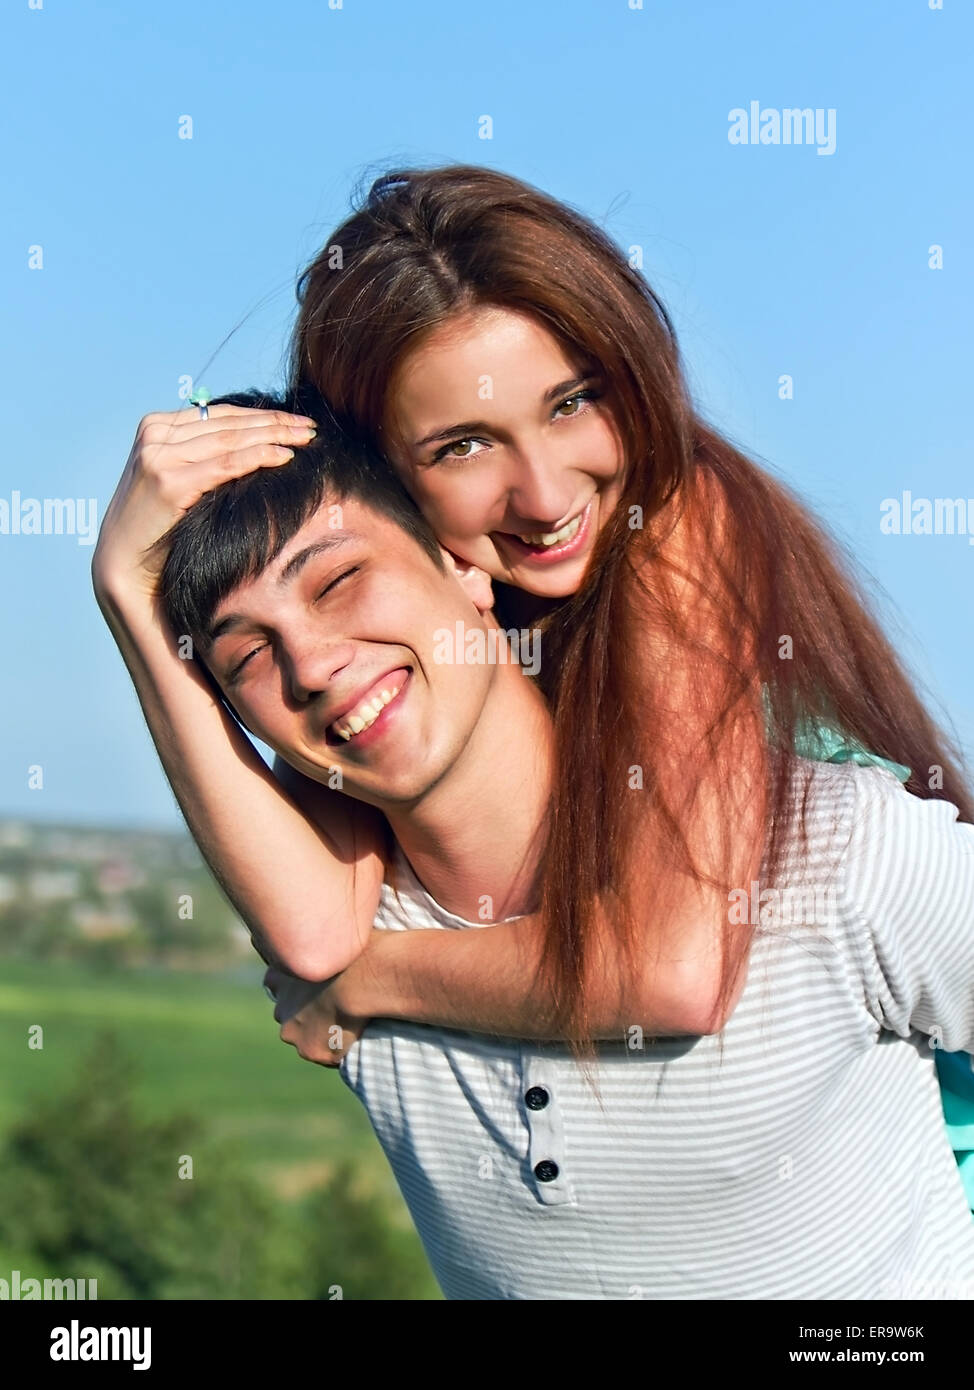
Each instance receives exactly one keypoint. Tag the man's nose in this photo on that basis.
(312, 661)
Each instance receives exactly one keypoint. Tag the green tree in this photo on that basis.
(353, 1244)
(91, 1190)
(94, 1189)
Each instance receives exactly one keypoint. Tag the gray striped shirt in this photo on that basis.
(810, 1162)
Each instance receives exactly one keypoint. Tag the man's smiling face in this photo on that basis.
(327, 655)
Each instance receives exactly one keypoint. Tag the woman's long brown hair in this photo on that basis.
(425, 245)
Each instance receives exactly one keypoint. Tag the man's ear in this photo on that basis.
(475, 582)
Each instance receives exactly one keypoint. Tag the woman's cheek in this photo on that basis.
(459, 516)
(606, 456)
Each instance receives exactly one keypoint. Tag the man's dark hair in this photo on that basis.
(234, 532)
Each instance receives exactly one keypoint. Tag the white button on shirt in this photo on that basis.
(810, 1161)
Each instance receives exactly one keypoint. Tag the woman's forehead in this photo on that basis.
(493, 362)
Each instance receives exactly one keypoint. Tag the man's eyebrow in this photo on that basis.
(473, 426)
(293, 566)
(297, 562)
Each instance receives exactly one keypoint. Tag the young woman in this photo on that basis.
(700, 631)
(682, 584)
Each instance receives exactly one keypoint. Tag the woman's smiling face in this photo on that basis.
(508, 446)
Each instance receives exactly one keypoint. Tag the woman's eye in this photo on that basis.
(447, 450)
(579, 397)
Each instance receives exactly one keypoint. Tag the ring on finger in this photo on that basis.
(199, 399)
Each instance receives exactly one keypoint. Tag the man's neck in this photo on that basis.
(475, 839)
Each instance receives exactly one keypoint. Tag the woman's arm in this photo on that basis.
(483, 980)
(307, 888)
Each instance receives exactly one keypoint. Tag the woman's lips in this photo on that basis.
(572, 545)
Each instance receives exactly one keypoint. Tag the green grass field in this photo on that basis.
(201, 1043)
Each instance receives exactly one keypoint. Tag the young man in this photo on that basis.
(315, 603)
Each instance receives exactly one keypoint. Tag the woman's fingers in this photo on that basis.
(183, 469)
(182, 437)
(174, 450)
(208, 473)
(191, 416)
(179, 431)
(176, 458)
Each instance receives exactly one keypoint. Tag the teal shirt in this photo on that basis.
(955, 1071)
(822, 743)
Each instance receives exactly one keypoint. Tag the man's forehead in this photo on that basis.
(334, 523)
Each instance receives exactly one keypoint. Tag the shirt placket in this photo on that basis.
(542, 1112)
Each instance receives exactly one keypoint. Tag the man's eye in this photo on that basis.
(333, 583)
(241, 664)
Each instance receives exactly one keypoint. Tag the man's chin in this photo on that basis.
(395, 789)
(401, 793)
(395, 780)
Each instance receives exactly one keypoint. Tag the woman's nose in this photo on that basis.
(540, 488)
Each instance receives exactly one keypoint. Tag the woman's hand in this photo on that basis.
(175, 459)
(311, 1019)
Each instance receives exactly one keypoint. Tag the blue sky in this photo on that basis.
(165, 256)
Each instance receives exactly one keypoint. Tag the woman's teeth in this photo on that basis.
(366, 713)
(555, 537)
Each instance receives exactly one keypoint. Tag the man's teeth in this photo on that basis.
(366, 713)
(554, 537)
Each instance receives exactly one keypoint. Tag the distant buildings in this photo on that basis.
(134, 894)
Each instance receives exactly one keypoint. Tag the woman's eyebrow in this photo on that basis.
(470, 426)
